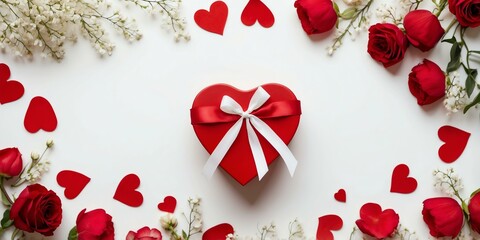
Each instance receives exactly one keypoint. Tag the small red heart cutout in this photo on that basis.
(126, 192)
(4, 72)
(73, 182)
(40, 115)
(455, 140)
(256, 10)
(401, 182)
(218, 232)
(327, 224)
(214, 20)
(10, 91)
(168, 205)
(340, 195)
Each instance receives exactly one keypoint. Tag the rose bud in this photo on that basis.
(93, 225)
(386, 43)
(377, 223)
(316, 16)
(474, 210)
(466, 11)
(37, 210)
(168, 221)
(11, 162)
(427, 82)
(444, 216)
(145, 233)
(423, 29)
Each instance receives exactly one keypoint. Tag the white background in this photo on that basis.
(129, 113)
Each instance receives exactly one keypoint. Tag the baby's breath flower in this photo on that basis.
(28, 26)
(455, 95)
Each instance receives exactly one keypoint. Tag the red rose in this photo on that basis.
(386, 43)
(466, 11)
(474, 210)
(443, 215)
(11, 163)
(145, 233)
(377, 223)
(316, 16)
(94, 225)
(37, 210)
(427, 82)
(423, 29)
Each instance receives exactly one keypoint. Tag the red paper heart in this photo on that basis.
(218, 232)
(4, 72)
(168, 205)
(214, 20)
(377, 223)
(256, 10)
(10, 91)
(73, 182)
(126, 192)
(40, 115)
(327, 224)
(401, 182)
(341, 195)
(455, 142)
(238, 161)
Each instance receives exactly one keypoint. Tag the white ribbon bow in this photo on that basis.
(230, 106)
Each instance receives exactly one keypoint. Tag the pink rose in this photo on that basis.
(145, 233)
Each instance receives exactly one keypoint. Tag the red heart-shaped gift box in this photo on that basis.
(281, 112)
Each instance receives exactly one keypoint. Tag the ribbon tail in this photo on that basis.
(222, 148)
(257, 151)
(276, 142)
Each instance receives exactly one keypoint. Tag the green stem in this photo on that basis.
(4, 191)
(361, 12)
(450, 26)
(443, 4)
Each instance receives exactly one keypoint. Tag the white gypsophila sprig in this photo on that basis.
(388, 13)
(455, 94)
(358, 20)
(295, 231)
(44, 26)
(268, 232)
(169, 10)
(448, 182)
(34, 170)
(402, 233)
(232, 236)
(194, 218)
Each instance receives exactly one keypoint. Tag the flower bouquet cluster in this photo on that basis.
(35, 209)
(445, 216)
(401, 27)
(30, 26)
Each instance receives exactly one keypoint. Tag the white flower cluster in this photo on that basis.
(195, 218)
(169, 10)
(448, 182)
(35, 173)
(268, 232)
(28, 26)
(168, 222)
(296, 231)
(389, 13)
(455, 95)
(231, 236)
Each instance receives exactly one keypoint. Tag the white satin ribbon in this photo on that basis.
(230, 106)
